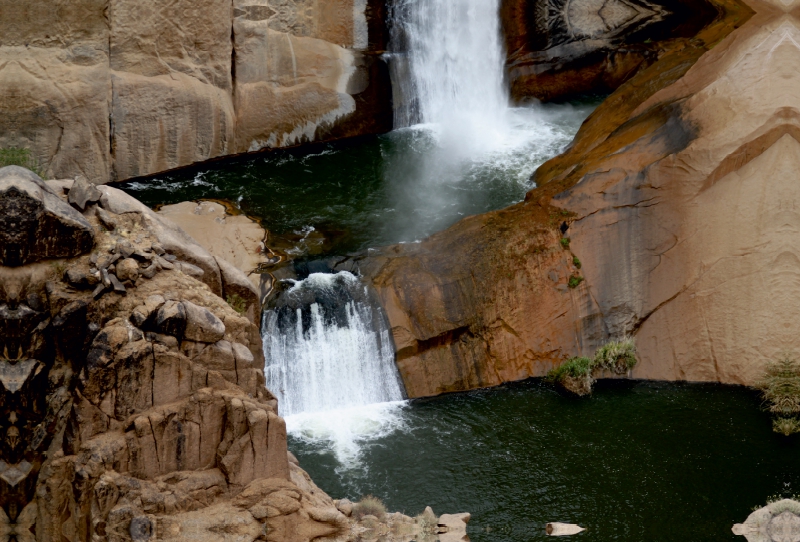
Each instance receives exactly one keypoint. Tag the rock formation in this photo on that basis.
(132, 398)
(133, 401)
(559, 49)
(670, 219)
(233, 239)
(779, 521)
(114, 89)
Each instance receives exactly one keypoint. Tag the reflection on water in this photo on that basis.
(636, 461)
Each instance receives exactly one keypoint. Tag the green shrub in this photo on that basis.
(575, 374)
(780, 389)
(565, 242)
(13, 156)
(237, 303)
(576, 262)
(369, 506)
(578, 374)
(574, 281)
(617, 356)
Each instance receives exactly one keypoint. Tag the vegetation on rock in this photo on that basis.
(369, 506)
(574, 281)
(780, 389)
(14, 156)
(237, 303)
(578, 374)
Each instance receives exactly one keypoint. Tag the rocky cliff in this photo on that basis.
(670, 218)
(562, 49)
(132, 404)
(114, 89)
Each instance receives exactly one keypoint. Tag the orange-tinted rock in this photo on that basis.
(489, 300)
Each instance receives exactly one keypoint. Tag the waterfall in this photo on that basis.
(330, 363)
(448, 63)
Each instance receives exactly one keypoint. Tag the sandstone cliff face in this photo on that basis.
(676, 196)
(132, 398)
(114, 89)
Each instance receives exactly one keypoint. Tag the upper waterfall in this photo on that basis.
(449, 69)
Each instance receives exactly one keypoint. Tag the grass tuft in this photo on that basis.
(574, 281)
(576, 262)
(780, 389)
(14, 156)
(565, 242)
(369, 506)
(617, 356)
(237, 303)
(575, 374)
(578, 374)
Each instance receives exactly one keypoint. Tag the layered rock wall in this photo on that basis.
(668, 219)
(115, 89)
(563, 49)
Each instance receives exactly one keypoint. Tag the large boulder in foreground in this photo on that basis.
(675, 198)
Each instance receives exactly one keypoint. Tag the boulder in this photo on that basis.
(171, 319)
(35, 224)
(83, 192)
(563, 529)
(201, 324)
(127, 269)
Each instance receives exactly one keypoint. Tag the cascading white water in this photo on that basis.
(330, 362)
(449, 70)
(459, 138)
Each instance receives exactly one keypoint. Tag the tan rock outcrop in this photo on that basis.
(238, 244)
(675, 197)
(133, 398)
(115, 89)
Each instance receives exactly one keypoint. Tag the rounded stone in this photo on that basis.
(128, 269)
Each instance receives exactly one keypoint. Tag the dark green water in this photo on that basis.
(636, 462)
(376, 191)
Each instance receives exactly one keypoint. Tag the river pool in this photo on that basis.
(638, 461)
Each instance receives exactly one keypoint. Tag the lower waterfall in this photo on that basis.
(330, 363)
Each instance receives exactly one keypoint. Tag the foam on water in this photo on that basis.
(330, 362)
(346, 431)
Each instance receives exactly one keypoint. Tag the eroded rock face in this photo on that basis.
(676, 197)
(559, 49)
(132, 398)
(114, 89)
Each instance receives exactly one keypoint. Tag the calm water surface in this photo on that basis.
(636, 462)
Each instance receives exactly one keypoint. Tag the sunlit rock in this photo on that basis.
(779, 521)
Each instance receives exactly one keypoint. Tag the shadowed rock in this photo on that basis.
(35, 224)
